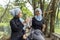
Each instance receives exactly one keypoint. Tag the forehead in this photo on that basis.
(37, 11)
(20, 11)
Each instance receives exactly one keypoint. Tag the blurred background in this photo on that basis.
(50, 9)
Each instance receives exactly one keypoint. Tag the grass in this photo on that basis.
(57, 30)
(59, 15)
(4, 24)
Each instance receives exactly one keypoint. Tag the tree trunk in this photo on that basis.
(4, 12)
(34, 5)
(52, 17)
(45, 15)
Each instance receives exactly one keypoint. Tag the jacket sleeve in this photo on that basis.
(14, 26)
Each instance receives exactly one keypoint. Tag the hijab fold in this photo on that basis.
(15, 11)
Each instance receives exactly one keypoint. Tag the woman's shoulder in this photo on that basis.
(12, 20)
(33, 18)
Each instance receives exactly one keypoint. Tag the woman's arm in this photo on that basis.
(26, 21)
(43, 29)
(14, 26)
(44, 26)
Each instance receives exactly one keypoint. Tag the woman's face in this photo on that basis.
(20, 14)
(37, 13)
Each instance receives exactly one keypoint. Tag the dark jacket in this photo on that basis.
(37, 24)
(17, 29)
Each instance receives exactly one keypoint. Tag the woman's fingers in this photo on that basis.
(24, 37)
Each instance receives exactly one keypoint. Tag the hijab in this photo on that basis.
(39, 17)
(15, 12)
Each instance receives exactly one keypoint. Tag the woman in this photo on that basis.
(38, 26)
(17, 24)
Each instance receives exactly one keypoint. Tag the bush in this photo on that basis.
(5, 31)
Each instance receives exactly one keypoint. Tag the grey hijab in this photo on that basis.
(39, 18)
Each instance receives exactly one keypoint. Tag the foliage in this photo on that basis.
(7, 17)
(26, 12)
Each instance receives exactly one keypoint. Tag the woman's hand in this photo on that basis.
(27, 20)
(24, 36)
(43, 30)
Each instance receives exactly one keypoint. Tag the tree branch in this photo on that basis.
(4, 11)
